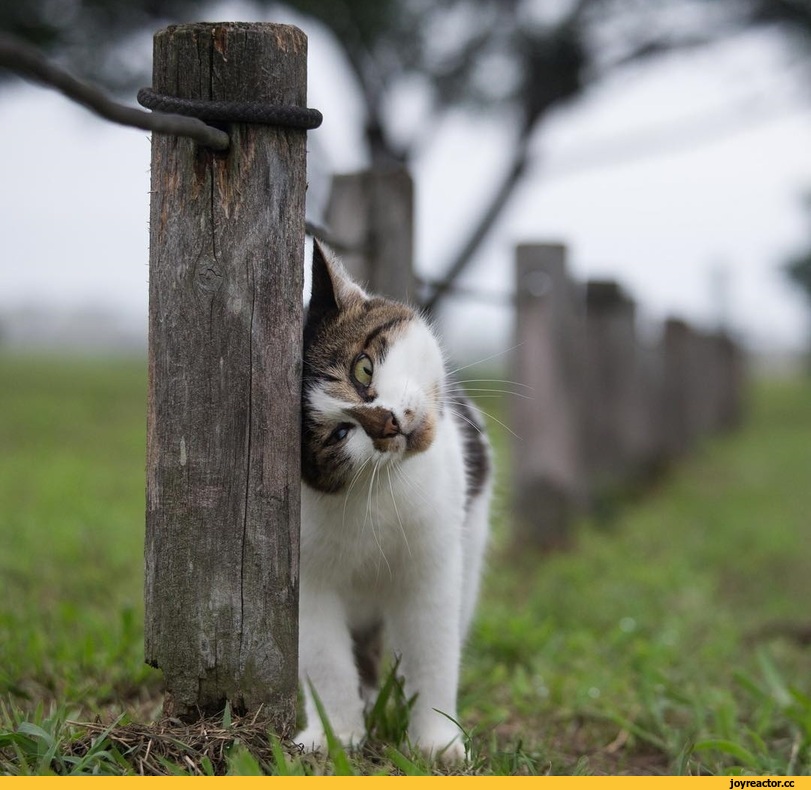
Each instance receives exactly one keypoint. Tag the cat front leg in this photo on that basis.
(426, 635)
(327, 665)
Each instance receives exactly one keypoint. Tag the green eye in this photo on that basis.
(362, 369)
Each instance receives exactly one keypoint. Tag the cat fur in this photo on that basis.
(395, 499)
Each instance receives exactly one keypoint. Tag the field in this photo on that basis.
(674, 640)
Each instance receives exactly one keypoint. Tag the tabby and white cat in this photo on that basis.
(395, 499)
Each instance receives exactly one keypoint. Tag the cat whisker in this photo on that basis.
(357, 475)
(465, 418)
(352, 483)
(495, 381)
(375, 470)
(486, 359)
(482, 392)
(486, 414)
(397, 511)
(368, 515)
(407, 480)
(484, 385)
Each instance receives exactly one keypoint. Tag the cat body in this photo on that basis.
(395, 498)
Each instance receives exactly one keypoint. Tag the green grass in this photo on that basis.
(71, 528)
(671, 643)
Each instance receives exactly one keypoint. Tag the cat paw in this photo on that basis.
(314, 739)
(443, 745)
(451, 753)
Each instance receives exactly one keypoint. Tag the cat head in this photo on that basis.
(372, 379)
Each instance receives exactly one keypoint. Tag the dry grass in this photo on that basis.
(160, 749)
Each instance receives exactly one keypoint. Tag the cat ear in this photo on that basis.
(333, 289)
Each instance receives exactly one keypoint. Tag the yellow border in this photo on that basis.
(543, 782)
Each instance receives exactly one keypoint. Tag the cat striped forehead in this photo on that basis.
(370, 326)
(343, 321)
(372, 380)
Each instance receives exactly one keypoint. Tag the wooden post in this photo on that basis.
(613, 402)
(649, 442)
(370, 216)
(720, 365)
(679, 388)
(732, 382)
(547, 358)
(706, 383)
(223, 466)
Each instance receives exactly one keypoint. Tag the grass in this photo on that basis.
(677, 641)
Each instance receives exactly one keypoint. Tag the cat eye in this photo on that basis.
(362, 370)
(340, 433)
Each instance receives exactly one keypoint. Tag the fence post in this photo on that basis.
(546, 358)
(732, 382)
(650, 442)
(370, 216)
(614, 409)
(223, 467)
(679, 399)
(707, 386)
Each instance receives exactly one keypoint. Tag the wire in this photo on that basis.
(180, 117)
(27, 61)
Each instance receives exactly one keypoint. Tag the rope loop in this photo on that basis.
(232, 111)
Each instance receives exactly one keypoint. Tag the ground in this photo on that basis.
(673, 639)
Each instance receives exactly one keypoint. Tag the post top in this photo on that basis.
(288, 37)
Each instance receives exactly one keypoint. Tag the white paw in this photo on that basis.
(451, 753)
(443, 744)
(314, 739)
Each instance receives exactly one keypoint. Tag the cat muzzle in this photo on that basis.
(390, 434)
(378, 422)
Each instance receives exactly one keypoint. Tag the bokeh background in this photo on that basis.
(665, 142)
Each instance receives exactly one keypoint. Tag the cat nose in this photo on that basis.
(391, 427)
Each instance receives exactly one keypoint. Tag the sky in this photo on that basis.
(684, 182)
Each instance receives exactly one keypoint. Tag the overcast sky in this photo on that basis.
(667, 179)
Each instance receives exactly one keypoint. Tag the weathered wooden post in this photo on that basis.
(650, 434)
(614, 409)
(732, 382)
(370, 216)
(679, 388)
(722, 382)
(547, 464)
(706, 394)
(227, 245)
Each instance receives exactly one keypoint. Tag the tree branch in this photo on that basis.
(485, 223)
(517, 169)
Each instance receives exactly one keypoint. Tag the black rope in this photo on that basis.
(232, 111)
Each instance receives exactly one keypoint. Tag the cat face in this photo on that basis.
(373, 377)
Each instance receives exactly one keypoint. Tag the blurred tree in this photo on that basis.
(795, 15)
(798, 270)
(522, 59)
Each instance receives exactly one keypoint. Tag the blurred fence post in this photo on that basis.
(718, 387)
(223, 481)
(547, 358)
(707, 383)
(649, 445)
(682, 379)
(731, 382)
(614, 411)
(370, 217)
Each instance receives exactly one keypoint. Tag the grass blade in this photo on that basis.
(337, 754)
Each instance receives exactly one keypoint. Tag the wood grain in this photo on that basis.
(223, 455)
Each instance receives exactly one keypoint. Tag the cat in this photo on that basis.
(396, 486)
